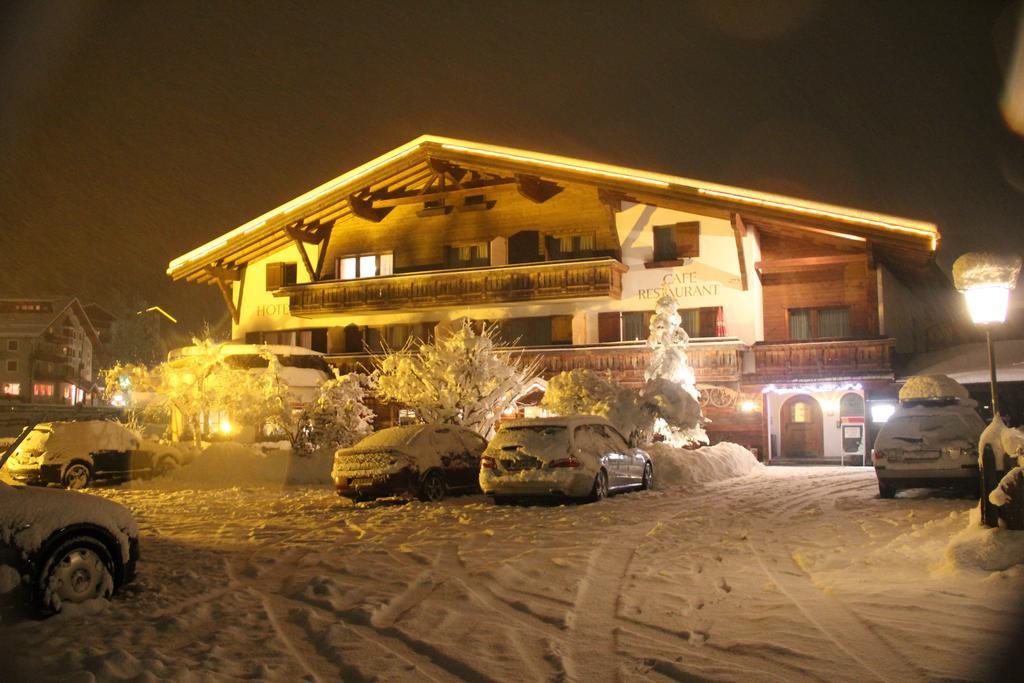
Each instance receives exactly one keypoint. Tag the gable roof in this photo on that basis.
(411, 164)
(34, 323)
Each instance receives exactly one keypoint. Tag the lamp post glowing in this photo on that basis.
(986, 281)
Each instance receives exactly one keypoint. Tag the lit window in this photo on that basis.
(348, 268)
(800, 412)
(368, 266)
(10, 389)
(819, 323)
(42, 390)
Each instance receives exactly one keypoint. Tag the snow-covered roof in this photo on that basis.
(968, 363)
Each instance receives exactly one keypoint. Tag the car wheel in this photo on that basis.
(886, 490)
(600, 490)
(648, 481)
(504, 500)
(79, 569)
(433, 488)
(164, 465)
(77, 475)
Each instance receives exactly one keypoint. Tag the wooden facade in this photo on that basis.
(778, 291)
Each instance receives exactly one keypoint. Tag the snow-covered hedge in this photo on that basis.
(679, 466)
(924, 387)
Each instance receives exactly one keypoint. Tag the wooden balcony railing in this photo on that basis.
(435, 289)
(625, 363)
(821, 360)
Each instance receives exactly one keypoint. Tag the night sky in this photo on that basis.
(131, 132)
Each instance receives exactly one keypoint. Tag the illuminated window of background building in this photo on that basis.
(10, 389)
(42, 390)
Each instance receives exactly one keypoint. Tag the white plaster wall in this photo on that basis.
(261, 310)
(712, 279)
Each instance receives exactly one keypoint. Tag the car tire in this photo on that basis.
(647, 482)
(504, 500)
(164, 465)
(600, 489)
(886, 490)
(77, 475)
(433, 487)
(80, 568)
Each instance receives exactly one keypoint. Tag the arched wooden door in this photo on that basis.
(802, 434)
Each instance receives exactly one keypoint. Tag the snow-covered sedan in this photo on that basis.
(424, 461)
(63, 547)
(74, 454)
(580, 456)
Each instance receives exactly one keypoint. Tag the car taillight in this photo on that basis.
(487, 463)
(877, 455)
(565, 462)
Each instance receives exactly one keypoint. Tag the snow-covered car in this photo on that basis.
(74, 454)
(60, 547)
(928, 443)
(580, 456)
(424, 461)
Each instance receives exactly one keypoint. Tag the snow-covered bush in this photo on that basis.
(338, 417)
(585, 392)
(929, 387)
(463, 377)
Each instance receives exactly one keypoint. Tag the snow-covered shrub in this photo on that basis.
(463, 377)
(338, 417)
(930, 387)
(585, 392)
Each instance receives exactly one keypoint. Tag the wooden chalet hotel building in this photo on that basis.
(796, 309)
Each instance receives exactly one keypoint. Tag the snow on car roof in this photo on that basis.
(562, 421)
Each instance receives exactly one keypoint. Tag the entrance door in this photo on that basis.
(801, 428)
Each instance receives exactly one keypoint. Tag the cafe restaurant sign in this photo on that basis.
(681, 286)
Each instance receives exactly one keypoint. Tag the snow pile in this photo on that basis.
(679, 466)
(923, 387)
(978, 547)
(236, 464)
(982, 269)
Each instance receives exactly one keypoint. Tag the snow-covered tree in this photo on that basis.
(671, 383)
(201, 383)
(585, 392)
(338, 417)
(463, 377)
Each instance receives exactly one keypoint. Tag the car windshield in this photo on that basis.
(390, 438)
(35, 439)
(544, 441)
(925, 430)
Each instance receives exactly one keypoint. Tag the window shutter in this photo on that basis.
(687, 239)
(561, 329)
(708, 322)
(552, 246)
(319, 339)
(608, 329)
(275, 275)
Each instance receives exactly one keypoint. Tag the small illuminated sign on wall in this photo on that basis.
(881, 412)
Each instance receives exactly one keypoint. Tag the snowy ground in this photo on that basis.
(783, 574)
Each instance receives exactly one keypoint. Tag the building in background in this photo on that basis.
(797, 310)
(46, 351)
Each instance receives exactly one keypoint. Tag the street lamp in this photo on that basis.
(986, 280)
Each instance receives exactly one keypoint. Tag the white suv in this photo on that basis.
(928, 444)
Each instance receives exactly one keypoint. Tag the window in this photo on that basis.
(626, 326)
(675, 242)
(707, 321)
(10, 389)
(851, 405)
(468, 255)
(364, 265)
(819, 323)
(12, 344)
(561, 329)
(800, 412)
(570, 246)
(42, 390)
(281, 275)
(12, 366)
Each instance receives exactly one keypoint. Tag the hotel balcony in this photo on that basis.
(55, 371)
(802, 360)
(601, 277)
(716, 360)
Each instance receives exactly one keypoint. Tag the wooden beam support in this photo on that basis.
(789, 265)
(363, 208)
(398, 199)
(325, 239)
(613, 198)
(739, 230)
(536, 189)
(225, 291)
(296, 232)
(225, 274)
(442, 168)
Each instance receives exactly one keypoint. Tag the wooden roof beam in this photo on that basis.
(364, 208)
(535, 189)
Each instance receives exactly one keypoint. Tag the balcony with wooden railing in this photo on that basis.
(718, 362)
(801, 360)
(600, 277)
